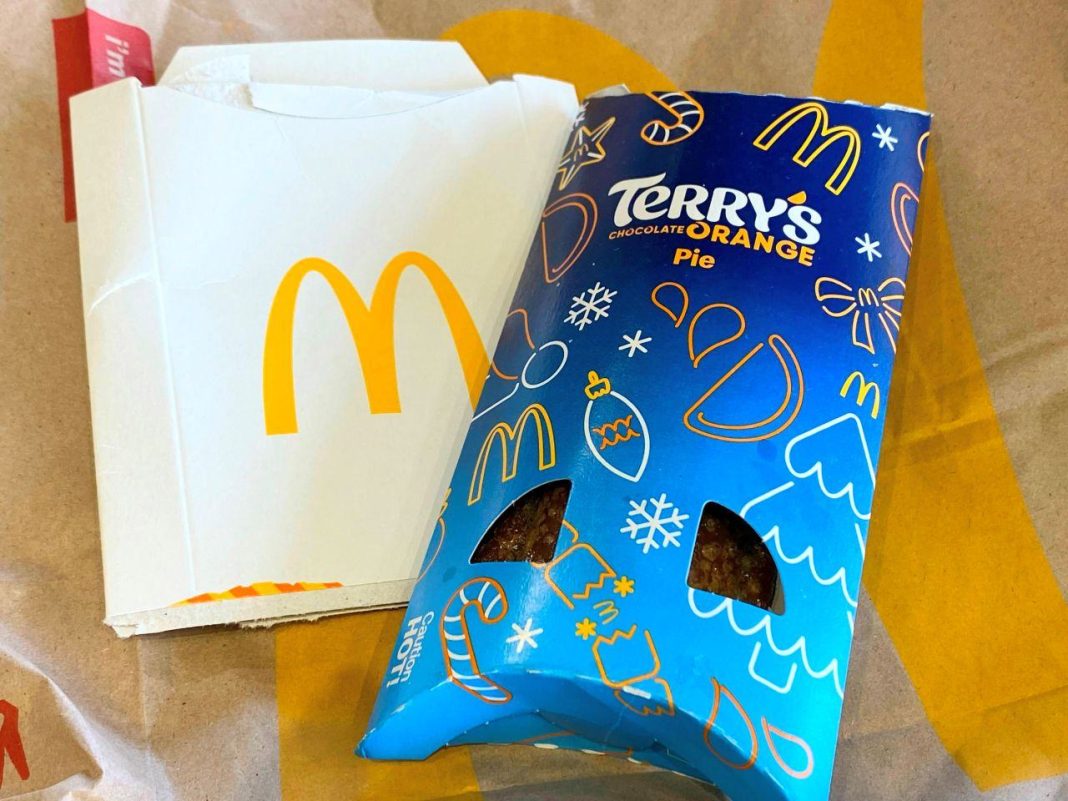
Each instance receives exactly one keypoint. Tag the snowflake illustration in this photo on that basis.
(524, 635)
(660, 528)
(634, 344)
(868, 247)
(590, 306)
(884, 137)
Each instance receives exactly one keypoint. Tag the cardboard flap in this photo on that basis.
(372, 64)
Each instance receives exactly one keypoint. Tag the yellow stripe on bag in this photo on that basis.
(954, 567)
(327, 676)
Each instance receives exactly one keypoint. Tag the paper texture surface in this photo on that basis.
(270, 715)
(234, 264)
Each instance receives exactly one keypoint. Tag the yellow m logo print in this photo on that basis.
(371, 327)
(865, 387)
(511, 440)
(828, 134)
(867, 297)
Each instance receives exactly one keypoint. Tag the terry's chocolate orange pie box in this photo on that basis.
(652, 543)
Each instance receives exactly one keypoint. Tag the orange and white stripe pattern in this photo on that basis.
(461, 665)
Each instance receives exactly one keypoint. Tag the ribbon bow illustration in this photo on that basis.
(839, 299)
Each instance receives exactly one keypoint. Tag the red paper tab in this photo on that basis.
(11, 742)
(92, 50)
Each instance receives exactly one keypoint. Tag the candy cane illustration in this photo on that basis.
(686, 117)
(487, 597)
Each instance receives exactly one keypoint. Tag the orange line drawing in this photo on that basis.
(588, 207)
(521, 312)
(11, 742)
(601, 570)
(511, 438)
(793, 397)
(675, 318)
(686, 115)
(901, 194)
(258, 589)
(462, 666)
(719, 691)
(769, 730)
(866, 386)
(638, 700)
(884, 303)
(571, 529)
(440, 538)
(606, 610)
(921, 150)
(697, 357)
(371, 327)
(585, 148)
(827, 133)
(611, 640)
(622, 423)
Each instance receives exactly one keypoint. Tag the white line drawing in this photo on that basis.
(635, 343)
(884, 137)
(817, 468)
(839, 576)
(590, 306)
(656, 522)
(555, 343)
(868, 248)
(761, 498)
(642, 432)
(860, 540)
(524, 635)
(781, 689)
(495, 404)
(764, 624)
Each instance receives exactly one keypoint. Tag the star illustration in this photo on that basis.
(585, 149)
(868, 248)
(633, 344)
(524, 635)
(585, 629)
(884, 137)
(623, 586)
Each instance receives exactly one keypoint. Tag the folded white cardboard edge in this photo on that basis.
(262, 611)
(374, 65)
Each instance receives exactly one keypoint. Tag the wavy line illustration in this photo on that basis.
(799, 646)
(817, 468)
(807, 555)
(616, 438)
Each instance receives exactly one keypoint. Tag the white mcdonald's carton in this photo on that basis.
(293, 260)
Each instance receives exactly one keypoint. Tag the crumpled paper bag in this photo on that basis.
(957, 690)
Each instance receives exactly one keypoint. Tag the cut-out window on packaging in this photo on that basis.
(527, 530)
(730, 559)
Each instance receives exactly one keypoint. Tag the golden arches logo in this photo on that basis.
(510, 438)
(371, 326)
(828, 134)
(866, 386)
